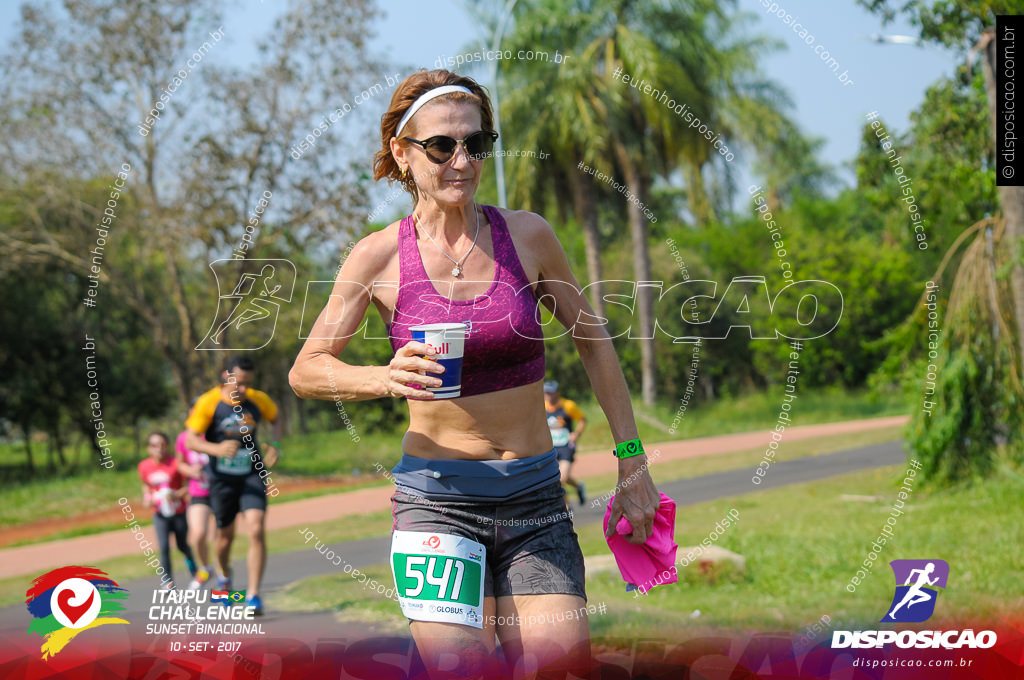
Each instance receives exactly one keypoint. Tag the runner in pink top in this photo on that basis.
(192, 464)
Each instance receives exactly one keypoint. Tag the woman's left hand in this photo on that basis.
(636, 499)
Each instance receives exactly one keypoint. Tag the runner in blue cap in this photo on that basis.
(566, 422)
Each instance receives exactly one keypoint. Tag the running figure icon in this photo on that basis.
(916, 594)
(249, 308)
(246, 317)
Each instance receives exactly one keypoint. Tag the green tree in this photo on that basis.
(51, 341)
(570, 124)
(972, 23)
(964, 387)
(80, 81)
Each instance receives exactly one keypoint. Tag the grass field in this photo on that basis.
(380, 523)
(128, 567)
(802, 544)
(333, 455)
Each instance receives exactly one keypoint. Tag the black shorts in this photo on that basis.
(229, 495)
(566, 452)
(200, 500)
(532, 548)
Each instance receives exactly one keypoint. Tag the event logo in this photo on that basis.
(66, 601)
(914, 601)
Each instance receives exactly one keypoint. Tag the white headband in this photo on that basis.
(426, 97)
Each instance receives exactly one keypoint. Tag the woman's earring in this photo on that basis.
(405, 171)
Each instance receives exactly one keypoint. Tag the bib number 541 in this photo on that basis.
(442, 582)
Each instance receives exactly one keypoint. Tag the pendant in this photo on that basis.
(456, 271)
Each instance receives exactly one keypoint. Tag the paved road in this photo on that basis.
(286, 568)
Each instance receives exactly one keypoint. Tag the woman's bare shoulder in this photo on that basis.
(527, 227)
(375, 252)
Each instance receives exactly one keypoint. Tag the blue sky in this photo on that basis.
(888, 78)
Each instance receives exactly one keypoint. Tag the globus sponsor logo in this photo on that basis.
(445, 609)
(917, 639)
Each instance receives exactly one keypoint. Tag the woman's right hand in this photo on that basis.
(410, 367)
(228, 448)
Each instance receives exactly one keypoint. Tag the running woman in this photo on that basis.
(566, 422)
(228, 417)
(482, 543)
(192, 465)
(163, 489)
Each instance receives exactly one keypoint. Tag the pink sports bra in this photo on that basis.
(505, 346)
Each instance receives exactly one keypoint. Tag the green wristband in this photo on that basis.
(629, 449)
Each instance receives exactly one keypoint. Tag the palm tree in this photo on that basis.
(664, 46)
(683, 54)
(555, 107)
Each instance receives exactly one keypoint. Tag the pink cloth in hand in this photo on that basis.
(653, 563)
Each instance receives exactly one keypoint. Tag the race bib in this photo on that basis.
(439, 577)
(238, 464)
(560, 436)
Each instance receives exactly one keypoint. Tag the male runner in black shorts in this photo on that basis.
(566, 422)
(228, 416)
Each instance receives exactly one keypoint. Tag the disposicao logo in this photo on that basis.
(913, 602)
(69, 600)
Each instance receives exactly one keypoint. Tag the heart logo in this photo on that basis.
(73, 612)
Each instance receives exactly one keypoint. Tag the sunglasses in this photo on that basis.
(441, 149)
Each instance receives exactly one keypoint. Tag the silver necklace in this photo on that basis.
(457, 269)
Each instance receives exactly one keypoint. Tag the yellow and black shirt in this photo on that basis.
(562, 419)
(218, 420)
